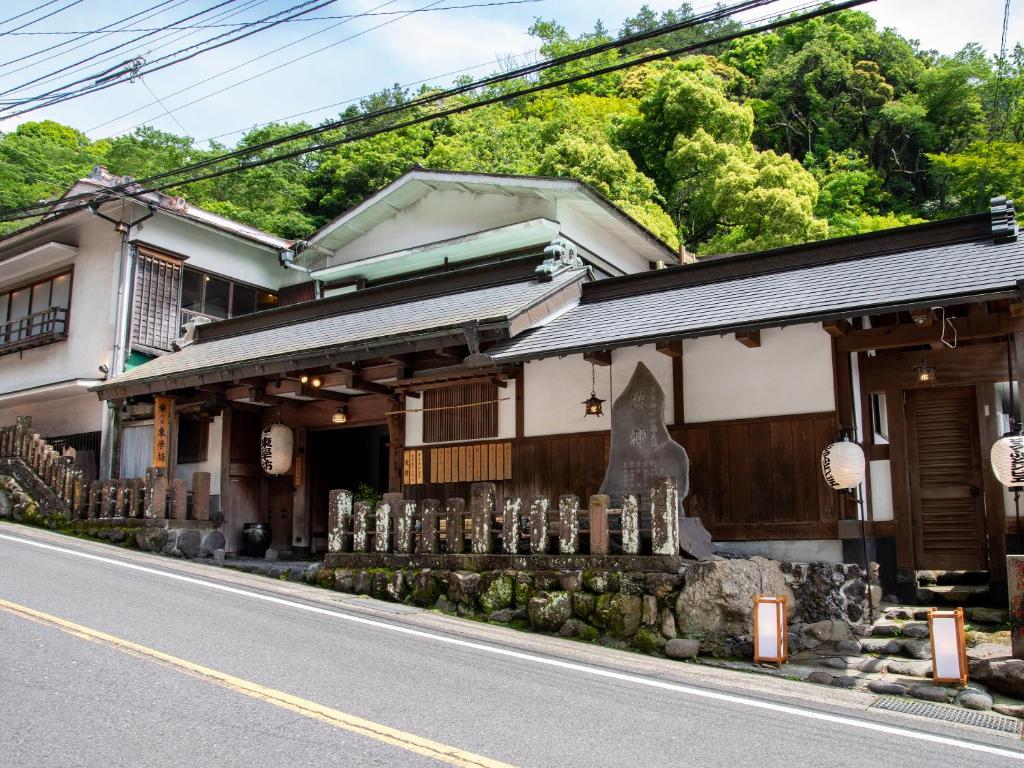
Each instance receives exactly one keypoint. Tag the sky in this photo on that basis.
(359, 55)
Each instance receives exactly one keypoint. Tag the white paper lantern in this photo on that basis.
(276, 449)
(842, 463)
(949, 657)
(1008, 460)
(770, 628)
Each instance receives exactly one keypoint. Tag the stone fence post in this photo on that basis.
(454, 535)
(664, 517)
(482, 507)
(179, 499)
(430, 527)
(339, 521)
(405, 527)
(568, 524)
(512, 509)
(360, 526)
(382, 524)
(630, 517)
(538, 525)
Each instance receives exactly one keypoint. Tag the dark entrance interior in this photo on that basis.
(344, 458)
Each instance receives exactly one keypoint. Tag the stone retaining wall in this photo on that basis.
(704, 608)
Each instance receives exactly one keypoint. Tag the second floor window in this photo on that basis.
(35, 313)
(220, 298)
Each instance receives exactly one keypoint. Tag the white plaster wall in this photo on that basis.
(506, 417)
(212, 463)
(554, 389)
(442, 215)
(809, 551)
(90, 324)
(63, 416)
(213, 251)
(599, 241)
(791, 372)
(880, 473)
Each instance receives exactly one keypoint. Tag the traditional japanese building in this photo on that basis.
(467, 317)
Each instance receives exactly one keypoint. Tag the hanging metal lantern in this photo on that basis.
(1007, 458)
(842, 464)
(340, 416)
(276, 449)
(925, 372)
(592, 405)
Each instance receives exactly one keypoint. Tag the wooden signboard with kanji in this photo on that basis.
(163, 410)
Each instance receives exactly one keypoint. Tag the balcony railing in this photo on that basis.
(34, 330)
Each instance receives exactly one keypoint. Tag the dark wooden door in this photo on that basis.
(246, 481)
(946, 500)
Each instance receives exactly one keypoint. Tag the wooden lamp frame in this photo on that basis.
(780, 602)
(957, 614)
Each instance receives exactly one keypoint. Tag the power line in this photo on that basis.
(718, 13)
(41, 18)
(50, 52)
(304, 19)
(161, 103)
(30, 10)
(285, 63)
(230, 69)
(92, 58)
(183, 55)
(136, 188)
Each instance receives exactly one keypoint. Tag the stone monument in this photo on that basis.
(642, 451)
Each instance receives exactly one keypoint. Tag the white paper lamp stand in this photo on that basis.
(770, 629)
(949, 648)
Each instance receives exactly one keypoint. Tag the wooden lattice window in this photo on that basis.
(156, 301)
(464, 412)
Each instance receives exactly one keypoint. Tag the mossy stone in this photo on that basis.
(648, 640)
(618, 614)
(496, 594)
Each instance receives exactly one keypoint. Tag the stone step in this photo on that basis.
(948, 595)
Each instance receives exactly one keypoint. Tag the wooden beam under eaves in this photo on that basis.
(749, 339)
(1017, 309)
(670, 348)
(836, 328)
(923, 318)
(602, 357)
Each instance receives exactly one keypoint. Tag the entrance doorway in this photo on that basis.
(344, 458)
(946, 479)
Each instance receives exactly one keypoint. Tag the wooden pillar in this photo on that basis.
(599, 524)
(396, 436)
(201, 495)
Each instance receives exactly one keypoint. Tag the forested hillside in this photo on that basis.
(826, 128)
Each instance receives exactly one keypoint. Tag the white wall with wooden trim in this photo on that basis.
(212, 464)
(554, 389)
(790, 373)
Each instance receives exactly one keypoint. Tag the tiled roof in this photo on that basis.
(926, 277)
(361, 328)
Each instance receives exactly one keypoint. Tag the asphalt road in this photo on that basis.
(67, 699)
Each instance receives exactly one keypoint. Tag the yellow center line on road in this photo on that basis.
(410, 742)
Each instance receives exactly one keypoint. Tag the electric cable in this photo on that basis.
(41, 18)
(155, 66)
(137, 188)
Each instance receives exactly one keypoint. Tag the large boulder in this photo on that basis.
(151, 539)
(618, 615)
(212, 541)
(189, 542)
(496, 592)
(717, 599)
(1003, 674)
(549, 611)
(463, 587)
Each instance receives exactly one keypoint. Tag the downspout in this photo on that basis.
(110, 429)
(287, 260)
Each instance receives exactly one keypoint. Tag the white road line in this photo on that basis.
(573, 666)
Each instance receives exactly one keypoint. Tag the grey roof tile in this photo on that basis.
(890, 280)
(365, 326)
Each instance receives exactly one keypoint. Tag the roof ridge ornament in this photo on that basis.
(561, 256)
(1004, 220)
